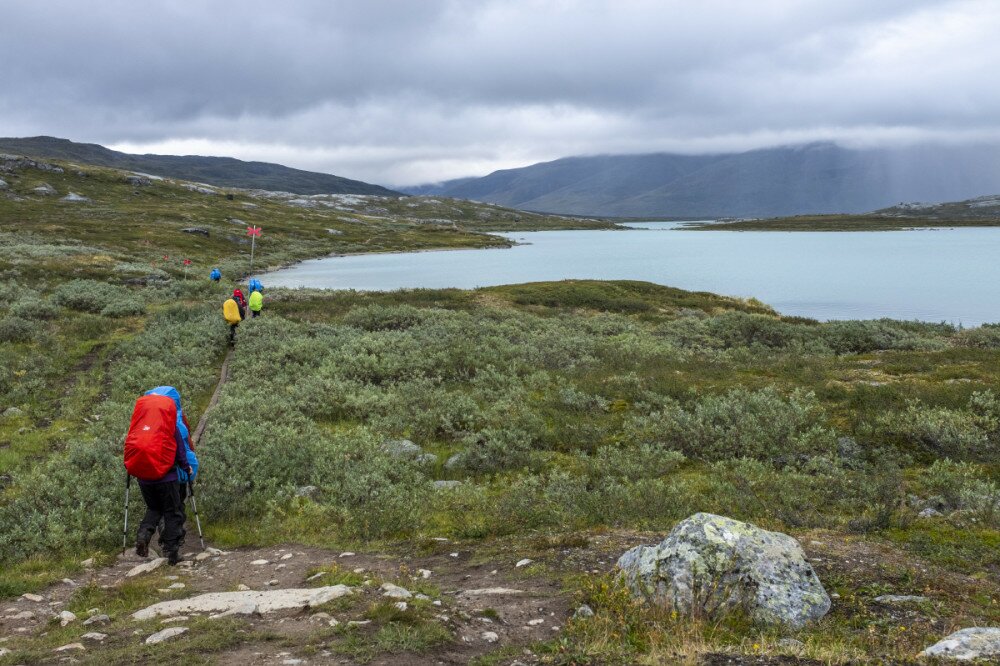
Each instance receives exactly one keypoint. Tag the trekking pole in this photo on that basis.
(128, 485)
(197, 520)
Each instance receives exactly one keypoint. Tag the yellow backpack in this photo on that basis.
(231, 311)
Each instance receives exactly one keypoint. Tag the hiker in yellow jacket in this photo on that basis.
(233, 314)
(256, 303)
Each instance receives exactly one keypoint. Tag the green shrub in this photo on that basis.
(17, 329)
(34, 308)
(91, 295)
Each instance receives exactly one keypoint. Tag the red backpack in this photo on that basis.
(150, 447)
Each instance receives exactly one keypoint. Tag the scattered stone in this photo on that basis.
(73, 197)
(929, 512)
(710, 563)
(306, 491)
(242, 588)
(66, 617)
(23, 615)
(791, 644)
(401, 605)
(201, 557)
(424, 573)
(93, 611)
(214, 551)
(454, 461)
(523, 563)
(426, 459)
(967, 645)
(347, 554)
(4, 651)
(179, 618)
(266, 601)
(422, 597)
(272, 583)
(3, 186)
(446, 484)
(259, 563)
(45, 190)
(490, 636)
(28, 596)
(138, 181)
(293, 662)
(583, 612)
(196, 230)
(94, 636)
(11, 412)
(490, 591)
(535, 623)
(320, 616)
(70, 646)
(69, 581)
(401, 448)
(152, 565)
(287, 556)
(96, 619)
(452, 554)
(176, 586)
(87, 563)
(891, 599)
(316, 575)
(358, 623)
(280, 567)
(395, 591)
(165, 634)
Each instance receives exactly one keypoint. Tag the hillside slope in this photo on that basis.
(813, 178)
(221, 171)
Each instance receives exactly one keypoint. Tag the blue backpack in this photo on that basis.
(216, 275)
(255, 285)
(192, 459)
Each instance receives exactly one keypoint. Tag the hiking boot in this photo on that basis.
(173, 557)
(141, 548)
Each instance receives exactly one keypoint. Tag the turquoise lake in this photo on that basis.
(927, 274)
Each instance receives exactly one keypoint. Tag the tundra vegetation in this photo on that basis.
(566, 412)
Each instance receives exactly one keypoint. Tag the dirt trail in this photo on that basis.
(223, 378)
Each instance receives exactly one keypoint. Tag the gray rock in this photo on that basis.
(395, 591)
(402, 448)
(426, 459)
(895, 599)
(967, 645)
(45, 190)
(69, 647)
(196, 230)
(929, 513)
(138, 181)
(709, 564)
(446, 485)
(3, 186)
(73, 197)
(94, 636)
(96, 619)
(165, 634)
(11, 412)
(266, 601)
(454, 462)
(152, 565)
(306, 491)
(583, 612)
(333, 232)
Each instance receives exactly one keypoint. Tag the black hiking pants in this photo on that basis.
(232, 333)
(163, 501)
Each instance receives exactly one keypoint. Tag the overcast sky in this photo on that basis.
(401, 92)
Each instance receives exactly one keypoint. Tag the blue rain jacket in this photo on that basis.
(182, 428)
(216, 275)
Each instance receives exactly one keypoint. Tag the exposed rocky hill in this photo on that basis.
(221, 171)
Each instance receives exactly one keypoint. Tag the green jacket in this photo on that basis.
(256, 301)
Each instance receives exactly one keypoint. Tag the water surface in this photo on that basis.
(928, 274)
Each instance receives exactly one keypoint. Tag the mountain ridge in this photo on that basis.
(812, 178)
(219, 171)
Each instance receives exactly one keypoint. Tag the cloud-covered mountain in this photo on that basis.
(813, 178)
(222, 171)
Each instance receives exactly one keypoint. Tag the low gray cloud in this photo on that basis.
(407, 91)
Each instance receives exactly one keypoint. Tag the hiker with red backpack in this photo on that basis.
(154, 453)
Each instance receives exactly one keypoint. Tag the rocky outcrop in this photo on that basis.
(710, 564)
(73, 197)
(265, 601)
(44, 189)
(974, 643)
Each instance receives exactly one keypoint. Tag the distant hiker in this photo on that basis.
(255, 285)
(240, 299)
(233, 314)
(154, 451)
(256, 303)
(215, 275)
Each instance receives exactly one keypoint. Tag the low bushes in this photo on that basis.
(99, 297)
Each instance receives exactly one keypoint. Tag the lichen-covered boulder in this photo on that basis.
(710, 564)
(970, 644)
